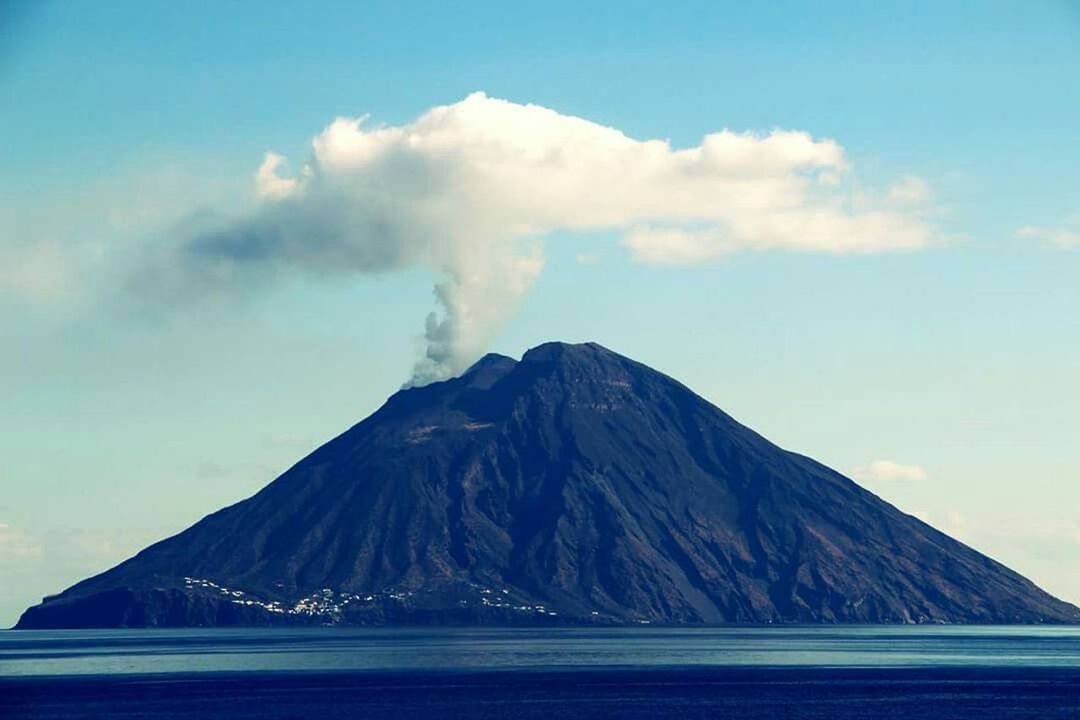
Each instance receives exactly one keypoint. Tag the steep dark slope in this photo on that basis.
(573, 486)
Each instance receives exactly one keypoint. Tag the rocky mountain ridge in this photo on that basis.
(572, 486)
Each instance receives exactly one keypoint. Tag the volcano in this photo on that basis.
(574, 486)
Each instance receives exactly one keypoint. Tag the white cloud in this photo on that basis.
(38, 272)
(466, 188)
(910, 190)
(956, 525)
(268, 184)
(952, 523)
(1041, 545)
(889, 471)
(1062, 237)
(60, 546)
(16, 545)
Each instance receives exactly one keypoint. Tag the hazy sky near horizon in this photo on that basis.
(878, 265)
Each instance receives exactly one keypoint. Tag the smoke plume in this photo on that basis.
(468, 189)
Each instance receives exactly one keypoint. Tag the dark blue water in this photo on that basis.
(773, 672)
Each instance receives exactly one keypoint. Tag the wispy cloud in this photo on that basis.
(1043, 544)
(889, 471)
(16, 545)
(38, 272)
(1064, 236)
(67, 247)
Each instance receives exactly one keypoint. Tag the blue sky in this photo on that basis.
(125, 419)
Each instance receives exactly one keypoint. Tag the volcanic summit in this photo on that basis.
(572, 486)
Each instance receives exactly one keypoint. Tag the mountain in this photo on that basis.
(574, 486)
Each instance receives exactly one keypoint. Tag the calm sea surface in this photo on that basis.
(774, 672)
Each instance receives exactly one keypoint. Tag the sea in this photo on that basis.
(774, 672)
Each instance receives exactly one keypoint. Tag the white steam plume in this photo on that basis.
(464, 188)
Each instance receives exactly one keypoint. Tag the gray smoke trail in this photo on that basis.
(462, 189)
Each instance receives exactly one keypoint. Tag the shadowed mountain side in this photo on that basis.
(574, 486)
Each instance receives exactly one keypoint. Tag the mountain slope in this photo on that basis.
(573, 486)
